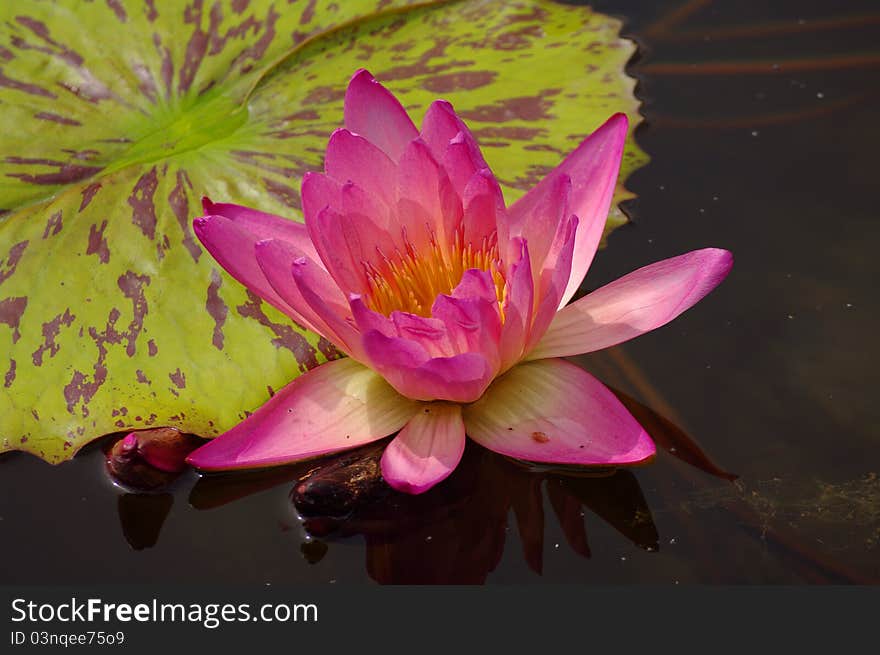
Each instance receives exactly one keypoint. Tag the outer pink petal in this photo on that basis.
(233, 248)
(553, 411)
(339, 405)
(351, 157)
(263, 225)
(593, 169)
(426, 451)
(636, 303)
(373, 112)
(277, 259)
(415, 374)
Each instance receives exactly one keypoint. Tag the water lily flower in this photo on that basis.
(452, 307)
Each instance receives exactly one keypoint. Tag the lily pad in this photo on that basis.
(120, 115)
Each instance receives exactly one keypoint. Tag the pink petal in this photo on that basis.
(426, 451)
(636, 303)
(543, 226)
(431, 334)
(553, 411)
(552, 283)
(263, 225)
(277, 259)
(339, 405)
(351, 158)
(471, 316)
(593, 168)
(451, 143)
(373, 112)
(233, 248)
(518, 306)
(318, 191)
(338, 244)
(350, 229)
(427, 205)
(483, 208)
(415, 374)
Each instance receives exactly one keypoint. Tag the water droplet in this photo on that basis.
(754, 132)
(715, 198)
(556, 545)
(428, 538)
(623, 558)
(672, 541)
(849, 305)
(820, 95)
(662, 188)
(791, 316)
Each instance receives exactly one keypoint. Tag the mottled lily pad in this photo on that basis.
(119, 115)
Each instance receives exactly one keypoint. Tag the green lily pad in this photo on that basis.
(120, 115)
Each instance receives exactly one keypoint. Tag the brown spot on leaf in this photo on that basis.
(80, 387)
(151, 348)
(24, 87)
(540, 437)
(327, 349)
(322, 95)
(177, 199)
(151, 13)
(167, 63)
(217, 309)
(259, 47)
(67, 173)
(118, 9)
(283, 193)
(57, 49)
(308, 13)
(132, 286)
(88, 193)
(285, 335)
(98, 243)
(53, 225)
(195, 47)
(143, 211)
(10, 262)
(11, 310)
(509, 132)
(50, 331)
(178, 378)
(9, 378)
(141, 377)
(56, 118)
(464, 80)
(525, 108)
(239, 6)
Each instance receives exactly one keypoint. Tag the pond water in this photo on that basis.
(762, 127)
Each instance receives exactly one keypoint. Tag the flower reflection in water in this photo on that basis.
(456, 532)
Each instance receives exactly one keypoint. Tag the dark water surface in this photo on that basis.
(761, 123)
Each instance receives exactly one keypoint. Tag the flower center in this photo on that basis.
(410, 281)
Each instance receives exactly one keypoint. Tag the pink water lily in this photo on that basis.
(451, 307)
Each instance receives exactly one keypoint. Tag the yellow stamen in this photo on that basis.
(410, 281)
